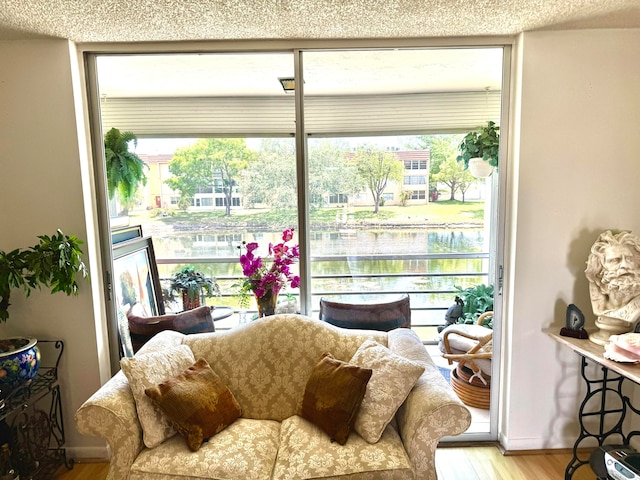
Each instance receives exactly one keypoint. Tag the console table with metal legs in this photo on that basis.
(604, 399)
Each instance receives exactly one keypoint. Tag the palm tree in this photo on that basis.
(125, 170)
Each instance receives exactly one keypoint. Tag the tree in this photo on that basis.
(376, 168)
(125, 170)
(199, 165)
(271, 178)
(191, 169)
(330, 171)
(454, 176)
(441, 147)
(465, 183)
(405, 196)
(128, 204)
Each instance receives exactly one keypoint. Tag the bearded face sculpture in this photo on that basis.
(613, 271)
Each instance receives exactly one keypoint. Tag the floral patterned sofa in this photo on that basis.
(266, 365)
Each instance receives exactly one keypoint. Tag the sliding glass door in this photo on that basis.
(392, 211)
(359, 160)
(216, 135)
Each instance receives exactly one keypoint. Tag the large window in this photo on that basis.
(215, 133)
(382, 126)
(387, 208)
(222, 157)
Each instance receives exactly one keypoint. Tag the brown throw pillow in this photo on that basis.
(197, 402)
(333, 395)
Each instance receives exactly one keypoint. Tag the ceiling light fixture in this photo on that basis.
(288, 84)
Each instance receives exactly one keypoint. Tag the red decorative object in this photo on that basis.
(189, 304)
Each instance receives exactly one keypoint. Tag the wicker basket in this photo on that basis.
(474, 394)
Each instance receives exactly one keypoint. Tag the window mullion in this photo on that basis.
(303, 187)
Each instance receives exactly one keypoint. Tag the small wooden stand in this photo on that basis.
(568, 332)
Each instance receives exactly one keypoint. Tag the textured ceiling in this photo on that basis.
(174, 20)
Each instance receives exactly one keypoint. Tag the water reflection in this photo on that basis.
(323, 243)
(431, 281)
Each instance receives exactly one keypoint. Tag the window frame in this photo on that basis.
(94, 154)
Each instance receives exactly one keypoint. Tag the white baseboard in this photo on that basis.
(93, 453)
(535, 443)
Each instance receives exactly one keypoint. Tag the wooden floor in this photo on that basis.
(452, 463)
(488, 463)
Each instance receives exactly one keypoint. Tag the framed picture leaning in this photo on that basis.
(135, 284)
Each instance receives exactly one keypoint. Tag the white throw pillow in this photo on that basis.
(148, 370)
(392, 379)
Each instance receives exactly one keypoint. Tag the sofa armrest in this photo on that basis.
(111, 413)
(431, 411)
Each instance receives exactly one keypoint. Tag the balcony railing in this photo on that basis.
(428, 305)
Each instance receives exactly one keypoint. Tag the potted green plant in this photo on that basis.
(125, 170)
(191, 284)
(479, 150)
(55, 262)
(477, 300)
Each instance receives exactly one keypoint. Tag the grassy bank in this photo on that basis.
(438, 214)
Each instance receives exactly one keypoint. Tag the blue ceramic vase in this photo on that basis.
(19, 362)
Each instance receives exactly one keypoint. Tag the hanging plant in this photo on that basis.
(481, 143)
(125, 170)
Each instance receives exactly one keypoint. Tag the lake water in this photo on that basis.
(430, 281)
(338, 242)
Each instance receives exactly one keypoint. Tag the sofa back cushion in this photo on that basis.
(146, 370)
(266, 363)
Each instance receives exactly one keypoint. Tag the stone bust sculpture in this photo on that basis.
(613, 272)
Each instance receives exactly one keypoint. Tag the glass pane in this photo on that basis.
(392, 211)
(219, 174)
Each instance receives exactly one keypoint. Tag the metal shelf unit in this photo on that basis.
(31, 419)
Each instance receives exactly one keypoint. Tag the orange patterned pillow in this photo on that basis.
(333, 395)
(197, 402)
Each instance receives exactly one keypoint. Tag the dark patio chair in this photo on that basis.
(141, 328)
(383, 316)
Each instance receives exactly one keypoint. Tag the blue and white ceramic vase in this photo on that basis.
(19, 362)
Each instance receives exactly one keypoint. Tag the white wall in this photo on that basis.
(576, 175)
(40, 191)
